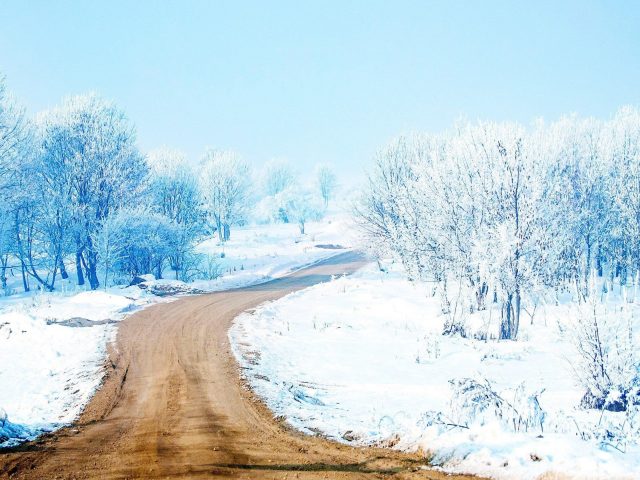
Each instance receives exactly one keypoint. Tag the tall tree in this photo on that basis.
(89, 146)
(15, 151)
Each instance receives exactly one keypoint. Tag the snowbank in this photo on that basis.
(47, 371)
(362, 360)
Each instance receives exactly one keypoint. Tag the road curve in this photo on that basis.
(173, 406)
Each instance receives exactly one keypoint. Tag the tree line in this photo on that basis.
(495, 214)
(78, 197)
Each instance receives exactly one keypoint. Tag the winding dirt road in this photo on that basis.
(173, 406)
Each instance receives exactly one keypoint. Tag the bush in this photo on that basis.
(477, 402)
(607, 364)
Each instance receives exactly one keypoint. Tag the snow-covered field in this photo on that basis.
(49, 371)
(362, 360)
(262, 252)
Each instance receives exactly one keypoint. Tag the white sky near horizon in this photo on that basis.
(321, 81)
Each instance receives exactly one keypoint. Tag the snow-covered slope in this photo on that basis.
(362, 359)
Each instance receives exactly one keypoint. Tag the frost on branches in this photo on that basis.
(78, 198)
(496, 213)
(497, 220)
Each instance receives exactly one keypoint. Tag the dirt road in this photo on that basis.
(172, 406)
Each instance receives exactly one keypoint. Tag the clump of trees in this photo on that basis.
(77, 197)
(495, 213)
(76, 186)
(286, 199)
(86, 160)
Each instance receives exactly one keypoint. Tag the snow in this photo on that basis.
(263, 252)
(362, 360)
(48, 371)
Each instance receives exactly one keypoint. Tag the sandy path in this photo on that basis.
(173, 406)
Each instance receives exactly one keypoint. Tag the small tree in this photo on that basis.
(224, 185)
(278, 176)
(326, 182)
(607, 365)
(301, 206)
(175, 193)
(136, 241)
(110, 243)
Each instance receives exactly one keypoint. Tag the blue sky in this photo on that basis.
(321, 81)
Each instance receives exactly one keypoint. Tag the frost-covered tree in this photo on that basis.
(174, 187)
(579, 206)
(135, 241)
(495, 213)
(224, 186)
(326, 182)
(15, 147)
(278, 176)
(383, 210)
(511, 235)
(607, 365)
(37, 244)
(301, 206)
(43, 223)
(176, 195)
(623, 149)
(89, 147)
(14, 136)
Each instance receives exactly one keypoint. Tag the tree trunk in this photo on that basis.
(587, 268)
(516, 319)
(25, 281)
(79, 268)
(63, 270)
(481, 295)
(90, 269)
(3, 272)
(92, 274)
(106, 274)
(599, 261)
(506, 326)
(220, 230)
(91, 265)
